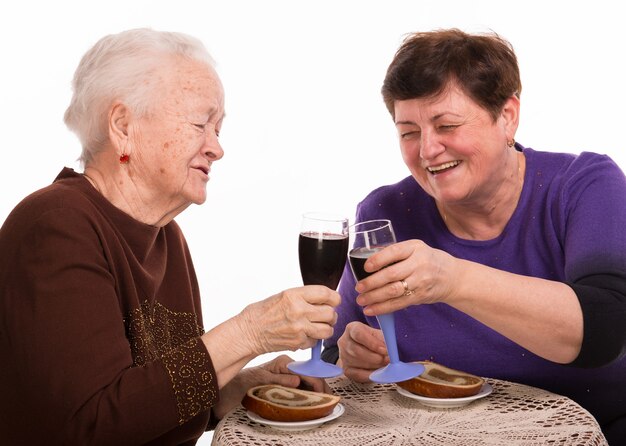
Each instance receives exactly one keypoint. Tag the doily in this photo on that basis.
(376, 414)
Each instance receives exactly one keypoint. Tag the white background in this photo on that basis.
(306, 128)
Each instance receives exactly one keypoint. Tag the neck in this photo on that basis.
(125, 195)
(487, 220)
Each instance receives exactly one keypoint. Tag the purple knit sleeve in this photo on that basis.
(594, 218)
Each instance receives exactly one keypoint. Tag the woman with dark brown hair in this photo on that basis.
(510, 261)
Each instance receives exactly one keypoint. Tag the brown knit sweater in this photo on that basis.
(99, 326)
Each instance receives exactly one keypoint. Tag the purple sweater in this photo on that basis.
(569, 226)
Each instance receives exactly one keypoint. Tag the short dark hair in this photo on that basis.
(484, 66)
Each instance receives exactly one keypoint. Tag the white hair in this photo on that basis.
(119, 67)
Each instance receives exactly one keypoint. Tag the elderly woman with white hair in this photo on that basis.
(101, 333)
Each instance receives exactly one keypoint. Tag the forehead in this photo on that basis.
(185, 82)
(451, 100)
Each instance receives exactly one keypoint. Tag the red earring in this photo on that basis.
(124, 158)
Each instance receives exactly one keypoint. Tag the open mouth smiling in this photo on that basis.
(443, 167)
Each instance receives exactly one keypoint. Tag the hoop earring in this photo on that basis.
(124, 158)
(511, 143)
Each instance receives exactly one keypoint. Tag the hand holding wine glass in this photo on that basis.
(322, 249)
(368, 238)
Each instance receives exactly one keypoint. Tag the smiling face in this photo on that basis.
(173, 147)
(453, 147)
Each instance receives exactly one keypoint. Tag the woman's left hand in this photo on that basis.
(271, 372)
(429, 275)
(516, 306)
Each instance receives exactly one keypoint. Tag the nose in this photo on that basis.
(212, 148)
(430, 145)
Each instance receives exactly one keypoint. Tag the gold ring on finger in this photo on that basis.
(407, 291)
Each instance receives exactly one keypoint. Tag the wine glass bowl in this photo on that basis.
(322, 253)
(368, 238)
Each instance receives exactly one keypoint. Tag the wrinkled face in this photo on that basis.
(452, 146)
(174, 146)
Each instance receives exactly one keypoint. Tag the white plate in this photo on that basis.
(440, 403)
(298, 425)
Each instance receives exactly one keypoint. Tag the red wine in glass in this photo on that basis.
(322, 258)
(368, 238)
(322, 251)
(358, 257)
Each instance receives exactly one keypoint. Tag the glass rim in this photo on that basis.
(325, 216)
(384, 223)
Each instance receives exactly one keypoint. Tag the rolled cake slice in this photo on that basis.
(439, 381)
(279, 403)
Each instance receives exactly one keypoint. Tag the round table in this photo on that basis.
(377, 414)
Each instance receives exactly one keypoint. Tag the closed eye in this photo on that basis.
(447, 128)
(202, 128)
(407, 135)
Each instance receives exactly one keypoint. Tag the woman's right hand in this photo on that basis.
(361, 351)
(291, 320)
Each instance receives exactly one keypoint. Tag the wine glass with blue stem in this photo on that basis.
(368, 238)
(322, 251)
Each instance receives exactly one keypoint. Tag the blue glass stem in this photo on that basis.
(316, 351)
(387, 324)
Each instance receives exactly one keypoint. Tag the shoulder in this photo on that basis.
(590, 161)
(54, 224)
(58, 196)
(587, 187)
(568, 163)
(61, 207)
(573, 172)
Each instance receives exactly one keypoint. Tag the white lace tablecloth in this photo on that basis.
(376, 414)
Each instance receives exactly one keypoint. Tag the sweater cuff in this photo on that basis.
(193, 378)
(602, 299)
